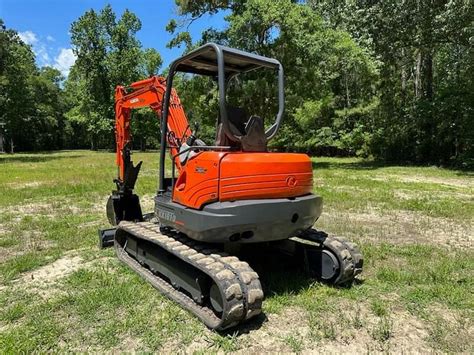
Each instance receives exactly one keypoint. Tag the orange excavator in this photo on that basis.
(218, 198)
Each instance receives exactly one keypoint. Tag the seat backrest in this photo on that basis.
(255, 139)
(238, 118)
(251, 130)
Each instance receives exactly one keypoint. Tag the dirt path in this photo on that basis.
(399, 227)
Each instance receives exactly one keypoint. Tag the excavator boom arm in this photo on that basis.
(147, 93)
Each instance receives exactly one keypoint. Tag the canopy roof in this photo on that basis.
(204, 61)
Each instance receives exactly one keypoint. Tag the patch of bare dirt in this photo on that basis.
(44, 280)
(452, 328)
(3, 229)
(128, 345)
(99, 205)
(25, 185)
(270, 337)
(400, 227)
(200, 344)
(407, 334)
(406, 194)
(8, 254)
(50, 273)
(463, 183)
(438, 180)
(147, 202)
(48, 209)
(28, 209)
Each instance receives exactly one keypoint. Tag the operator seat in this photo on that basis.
(251, 130)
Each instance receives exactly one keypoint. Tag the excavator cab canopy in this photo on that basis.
(223, 62)
(204, 61)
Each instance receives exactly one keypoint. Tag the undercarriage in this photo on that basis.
(220, 289)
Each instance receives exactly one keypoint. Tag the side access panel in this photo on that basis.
(246, 176)
(198, 182)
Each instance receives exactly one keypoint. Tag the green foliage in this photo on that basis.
(151, 62)
(31, 100)
(108, 54)
(385, 79)
(389, 80)
(425, 51)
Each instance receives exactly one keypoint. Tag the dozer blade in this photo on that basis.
(332, 260)
(106, 237)
(220, 290)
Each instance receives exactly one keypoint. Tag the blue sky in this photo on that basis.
(45, 25)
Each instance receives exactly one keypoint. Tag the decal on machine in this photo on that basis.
(169, 216)
(200, 170)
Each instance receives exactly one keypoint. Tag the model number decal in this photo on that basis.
(169, 216)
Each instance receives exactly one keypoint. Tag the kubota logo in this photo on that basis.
(291, 181)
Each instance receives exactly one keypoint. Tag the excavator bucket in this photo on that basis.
(123, 207)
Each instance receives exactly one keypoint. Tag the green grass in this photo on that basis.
(413, 224)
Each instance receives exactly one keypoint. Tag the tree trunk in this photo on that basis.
(424, 75)
(348, 98)
(418, 75)
(2, 148)
(428, 75)
(403, 76)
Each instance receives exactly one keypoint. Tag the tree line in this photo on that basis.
(386, 79)
(42, 110)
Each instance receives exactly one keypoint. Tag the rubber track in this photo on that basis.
(239, 285)
(348, 253)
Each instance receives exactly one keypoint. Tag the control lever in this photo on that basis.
(189, 143)
(192, 138)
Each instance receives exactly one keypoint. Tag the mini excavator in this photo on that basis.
(234, 192)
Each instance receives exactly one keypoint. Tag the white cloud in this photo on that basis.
(64, 60)
(39, 48)
(42, 54)
(28, 37)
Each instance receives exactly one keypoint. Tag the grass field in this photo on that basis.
(59, 292)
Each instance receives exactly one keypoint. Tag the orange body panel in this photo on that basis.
(198, 182)
(245, 176)
(231, 176)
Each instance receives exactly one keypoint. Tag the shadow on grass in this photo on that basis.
(279, 274)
